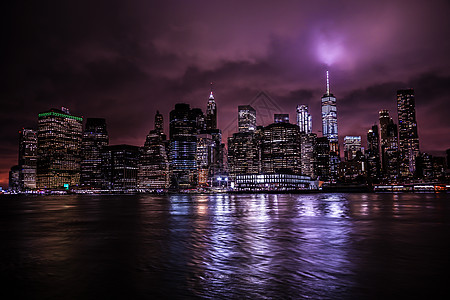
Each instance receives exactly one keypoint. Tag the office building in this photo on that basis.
(244, 153)
(95, 137)
(352, 145)
(280, 149)
(322, 158)
(373, 155)
(27, 159)
(246, 118)
(59, 149)
(183, 147)
(120, 167)
(153, 172)
(304, 120)
(408, 138)
(14, 178)
(307, 161)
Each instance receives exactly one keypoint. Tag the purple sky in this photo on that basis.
(123, 60)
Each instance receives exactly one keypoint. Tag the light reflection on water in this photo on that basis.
(251, 246)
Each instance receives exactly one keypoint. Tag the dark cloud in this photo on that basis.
(123, 60)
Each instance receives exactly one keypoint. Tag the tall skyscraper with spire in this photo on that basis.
(330, 128)
(407, 132)
(211, 112)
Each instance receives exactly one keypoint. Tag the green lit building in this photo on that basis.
(59, 142)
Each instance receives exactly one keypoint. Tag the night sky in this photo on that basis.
(123, 60)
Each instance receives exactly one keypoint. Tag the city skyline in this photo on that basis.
(129, 67)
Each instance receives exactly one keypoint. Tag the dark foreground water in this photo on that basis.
(317, 246)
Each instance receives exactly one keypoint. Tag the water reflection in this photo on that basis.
(224, 246)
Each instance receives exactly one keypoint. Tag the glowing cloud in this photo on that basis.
(329, 47)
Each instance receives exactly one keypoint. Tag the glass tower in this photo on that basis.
(27, 159)
(407, 132)
(304, 120)
(95, 137)
(330, 128)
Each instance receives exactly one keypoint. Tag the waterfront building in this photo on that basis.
(280, 149)
(244, 153)
(153, 166)
(183, 147)
(439, 168)
(322, 158)
(389, 147)
(14, 178)
(408, 138)
(304, 120)
(273, 182)
(27, 159)
(373, 154)
(281, 118)
(59, 144)
(307, 160)
(352, 171)
(424, 167)
(246, 118)
(352, 144)
(120, 167)
(206, 148)
(95, 137)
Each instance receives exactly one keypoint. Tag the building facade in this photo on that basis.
(373, 155)
(246, 118)
(330, 129)
(408, 138)
(59, 149)
(95, 137)
(183, 147)
(304, 120)
(352, 144)
(153, 172)
(120, 167)
(27, 159)
(280, 149)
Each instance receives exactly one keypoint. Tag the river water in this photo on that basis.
(252, 246)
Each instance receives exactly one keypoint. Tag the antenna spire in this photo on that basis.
(211, 95)
(328, 84)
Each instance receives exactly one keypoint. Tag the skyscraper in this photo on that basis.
(373, 154)
(246, 118)
(95, 137)
(244, 152)
(304, 120)
(280, 149)
(330, 128)
(352, 144)
(322, 158)
(211, 113)
(120, 167)
(27, 159)
(153, 173)
(389, 146)
(59, 145)
(408, 138)
(183, 147)
(307, 145)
